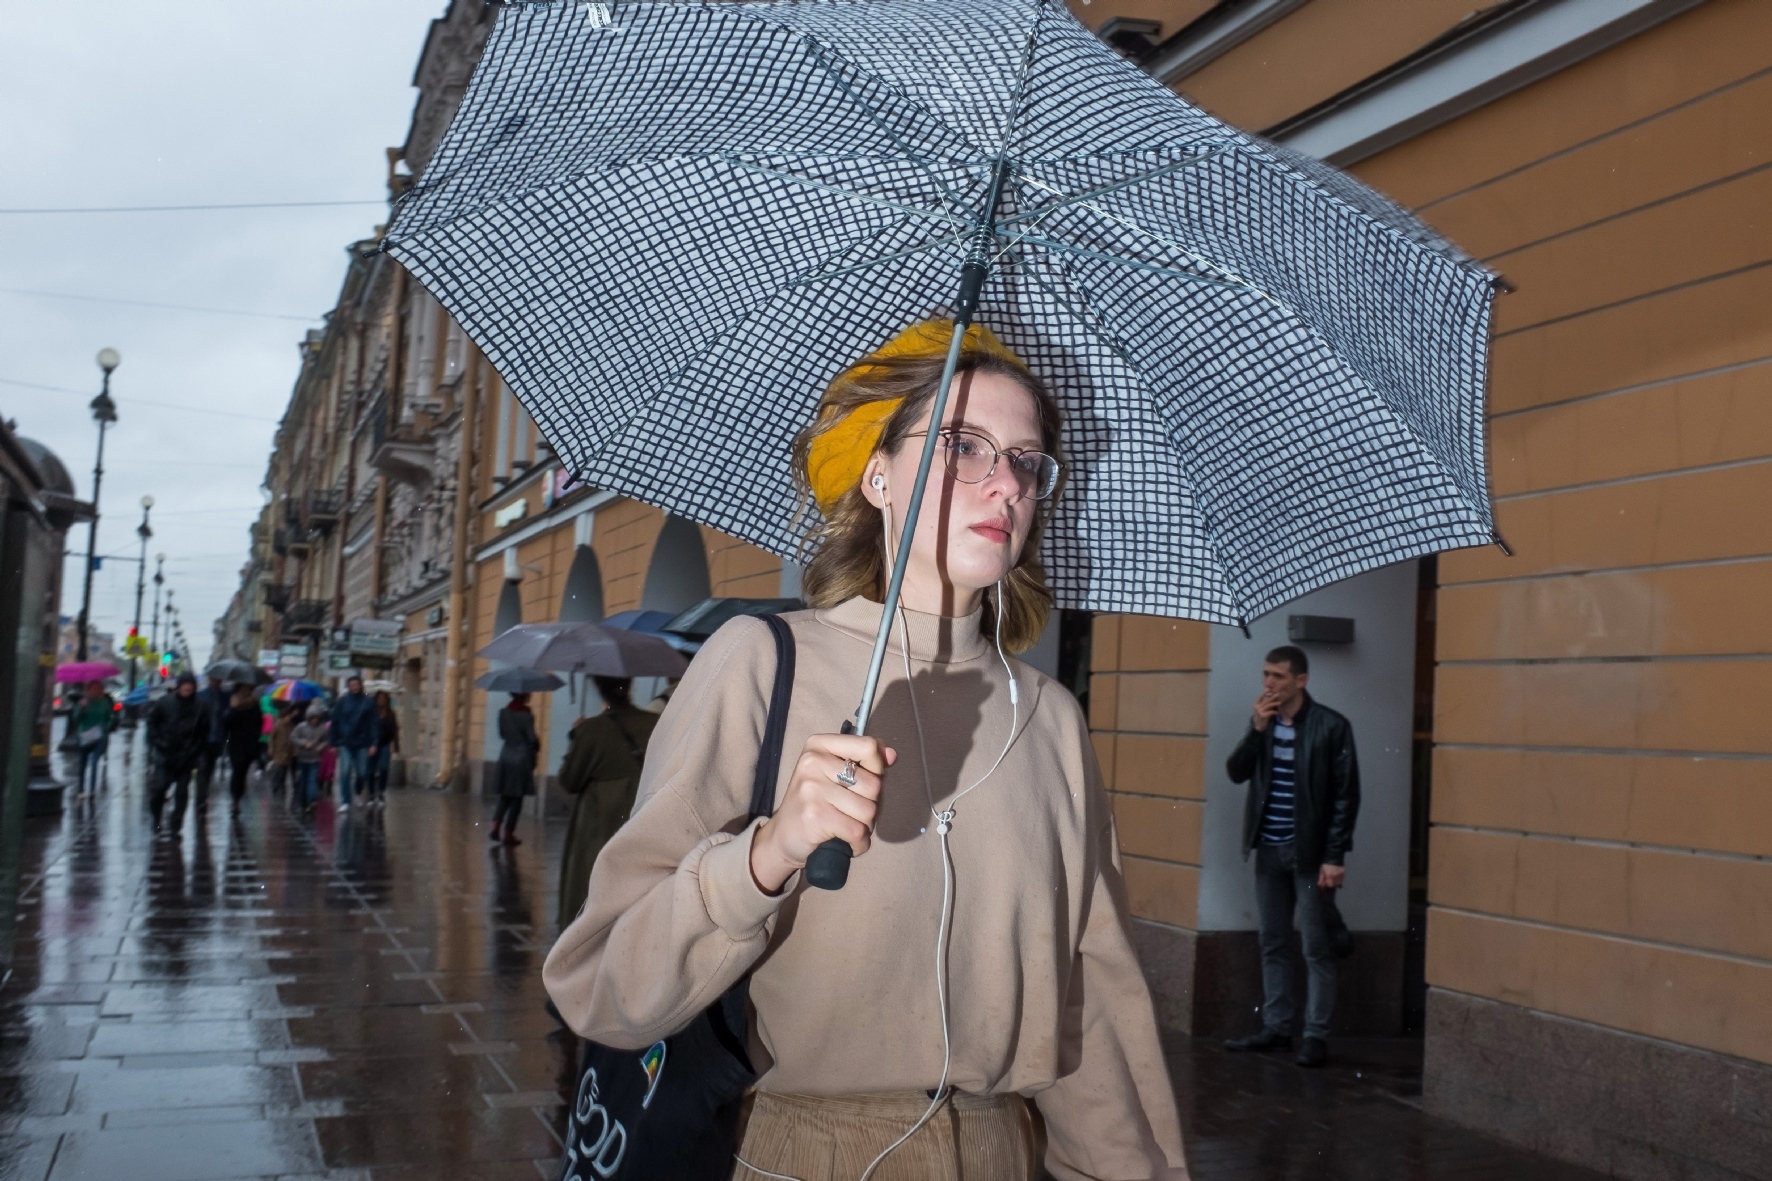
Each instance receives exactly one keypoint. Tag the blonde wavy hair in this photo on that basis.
(846, 546)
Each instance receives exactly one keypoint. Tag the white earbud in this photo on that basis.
(879, 482)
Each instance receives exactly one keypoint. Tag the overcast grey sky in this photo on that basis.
(116, 102)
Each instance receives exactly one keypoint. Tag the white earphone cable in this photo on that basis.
(944, 820)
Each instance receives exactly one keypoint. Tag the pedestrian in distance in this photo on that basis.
(281, 747)
(387, 744)
(601, 772)
(1298, 819)
(92, 722)
(214, 698)
(308, 737)
(178, 738)
(516, 766)
(354, 735)
(979, 958)
(242, 724)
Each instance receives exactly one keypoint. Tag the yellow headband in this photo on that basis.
(840, 454)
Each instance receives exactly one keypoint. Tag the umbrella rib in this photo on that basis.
(839, 191)
(1082, 316)
(882, 261)
(1125, 223)
(1128, 182)
(1098, 255)
(818, 54)
(1088, 321)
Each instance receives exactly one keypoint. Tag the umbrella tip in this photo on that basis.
(1244, 624)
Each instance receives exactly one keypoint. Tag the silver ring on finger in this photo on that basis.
(847, 775)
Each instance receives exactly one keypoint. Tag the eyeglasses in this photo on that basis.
(972, 459)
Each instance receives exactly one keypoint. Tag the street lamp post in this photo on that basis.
(104, 412)
(159, 579)
(141, 578)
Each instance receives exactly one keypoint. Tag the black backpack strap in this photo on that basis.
(775, 729)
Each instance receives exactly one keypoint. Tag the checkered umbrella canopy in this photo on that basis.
(669, 225)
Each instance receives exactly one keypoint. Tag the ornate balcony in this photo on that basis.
(306, 615)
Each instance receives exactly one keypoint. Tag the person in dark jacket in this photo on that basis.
(354, 734)
(387, 743)
(213, 698)
(242, 724)
(516, 766)
(178, 736)
(601, 772)
(1298, 819)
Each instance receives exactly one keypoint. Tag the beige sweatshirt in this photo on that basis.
(1046, 997)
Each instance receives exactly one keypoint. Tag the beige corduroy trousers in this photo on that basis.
(969, 1138)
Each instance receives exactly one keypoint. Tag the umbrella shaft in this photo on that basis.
(971, 282)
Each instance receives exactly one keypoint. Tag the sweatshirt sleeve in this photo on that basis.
(1113, 1118)
(673, 916)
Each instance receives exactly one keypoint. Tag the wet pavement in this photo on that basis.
(358, 997)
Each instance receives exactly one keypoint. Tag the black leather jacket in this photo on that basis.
(178, 729)
(1327, 773)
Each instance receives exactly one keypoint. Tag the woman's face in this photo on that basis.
(969, 536)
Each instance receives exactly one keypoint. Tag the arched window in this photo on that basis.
(583, 599)
(677, 579)
(581, 602)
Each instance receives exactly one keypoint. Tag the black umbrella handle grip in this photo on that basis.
(828, 867)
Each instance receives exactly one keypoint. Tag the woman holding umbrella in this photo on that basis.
(988, 852)
(601, 772)
(516, 766)
(92, 723)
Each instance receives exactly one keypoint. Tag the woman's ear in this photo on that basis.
(874, 483)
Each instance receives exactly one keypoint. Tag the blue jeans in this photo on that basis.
(1282, 889)
(92, 764)
(307, 782)
(353, 771)
(378, 770)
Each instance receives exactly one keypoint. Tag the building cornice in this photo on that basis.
(1492, 54)
(552, 519)
(1214, 35)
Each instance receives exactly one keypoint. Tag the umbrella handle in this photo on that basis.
(828, 867)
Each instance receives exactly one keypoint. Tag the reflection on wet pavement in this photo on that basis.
(358, 998)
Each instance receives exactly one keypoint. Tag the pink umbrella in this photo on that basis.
(80, 672)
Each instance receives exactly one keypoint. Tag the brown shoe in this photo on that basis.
(511, 838)
(493, 835)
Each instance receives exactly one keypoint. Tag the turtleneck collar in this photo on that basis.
(941, 639)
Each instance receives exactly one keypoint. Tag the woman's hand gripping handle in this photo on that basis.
(821, 805)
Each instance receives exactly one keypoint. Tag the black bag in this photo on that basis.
(671, 1111)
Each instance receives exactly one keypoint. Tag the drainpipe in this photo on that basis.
(452, 767)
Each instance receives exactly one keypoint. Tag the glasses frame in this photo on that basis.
(997, 454)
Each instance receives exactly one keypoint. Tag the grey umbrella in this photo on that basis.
(588, 648)
(520, 680)
(237, 672)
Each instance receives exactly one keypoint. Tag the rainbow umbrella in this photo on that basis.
(295, 691)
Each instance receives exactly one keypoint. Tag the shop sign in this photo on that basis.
(293, 661)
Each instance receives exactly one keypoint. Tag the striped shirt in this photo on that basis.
(1276, 816)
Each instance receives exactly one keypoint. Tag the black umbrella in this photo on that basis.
(520, 680)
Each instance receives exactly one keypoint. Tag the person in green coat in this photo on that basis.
(602, 772)
(92, 724)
